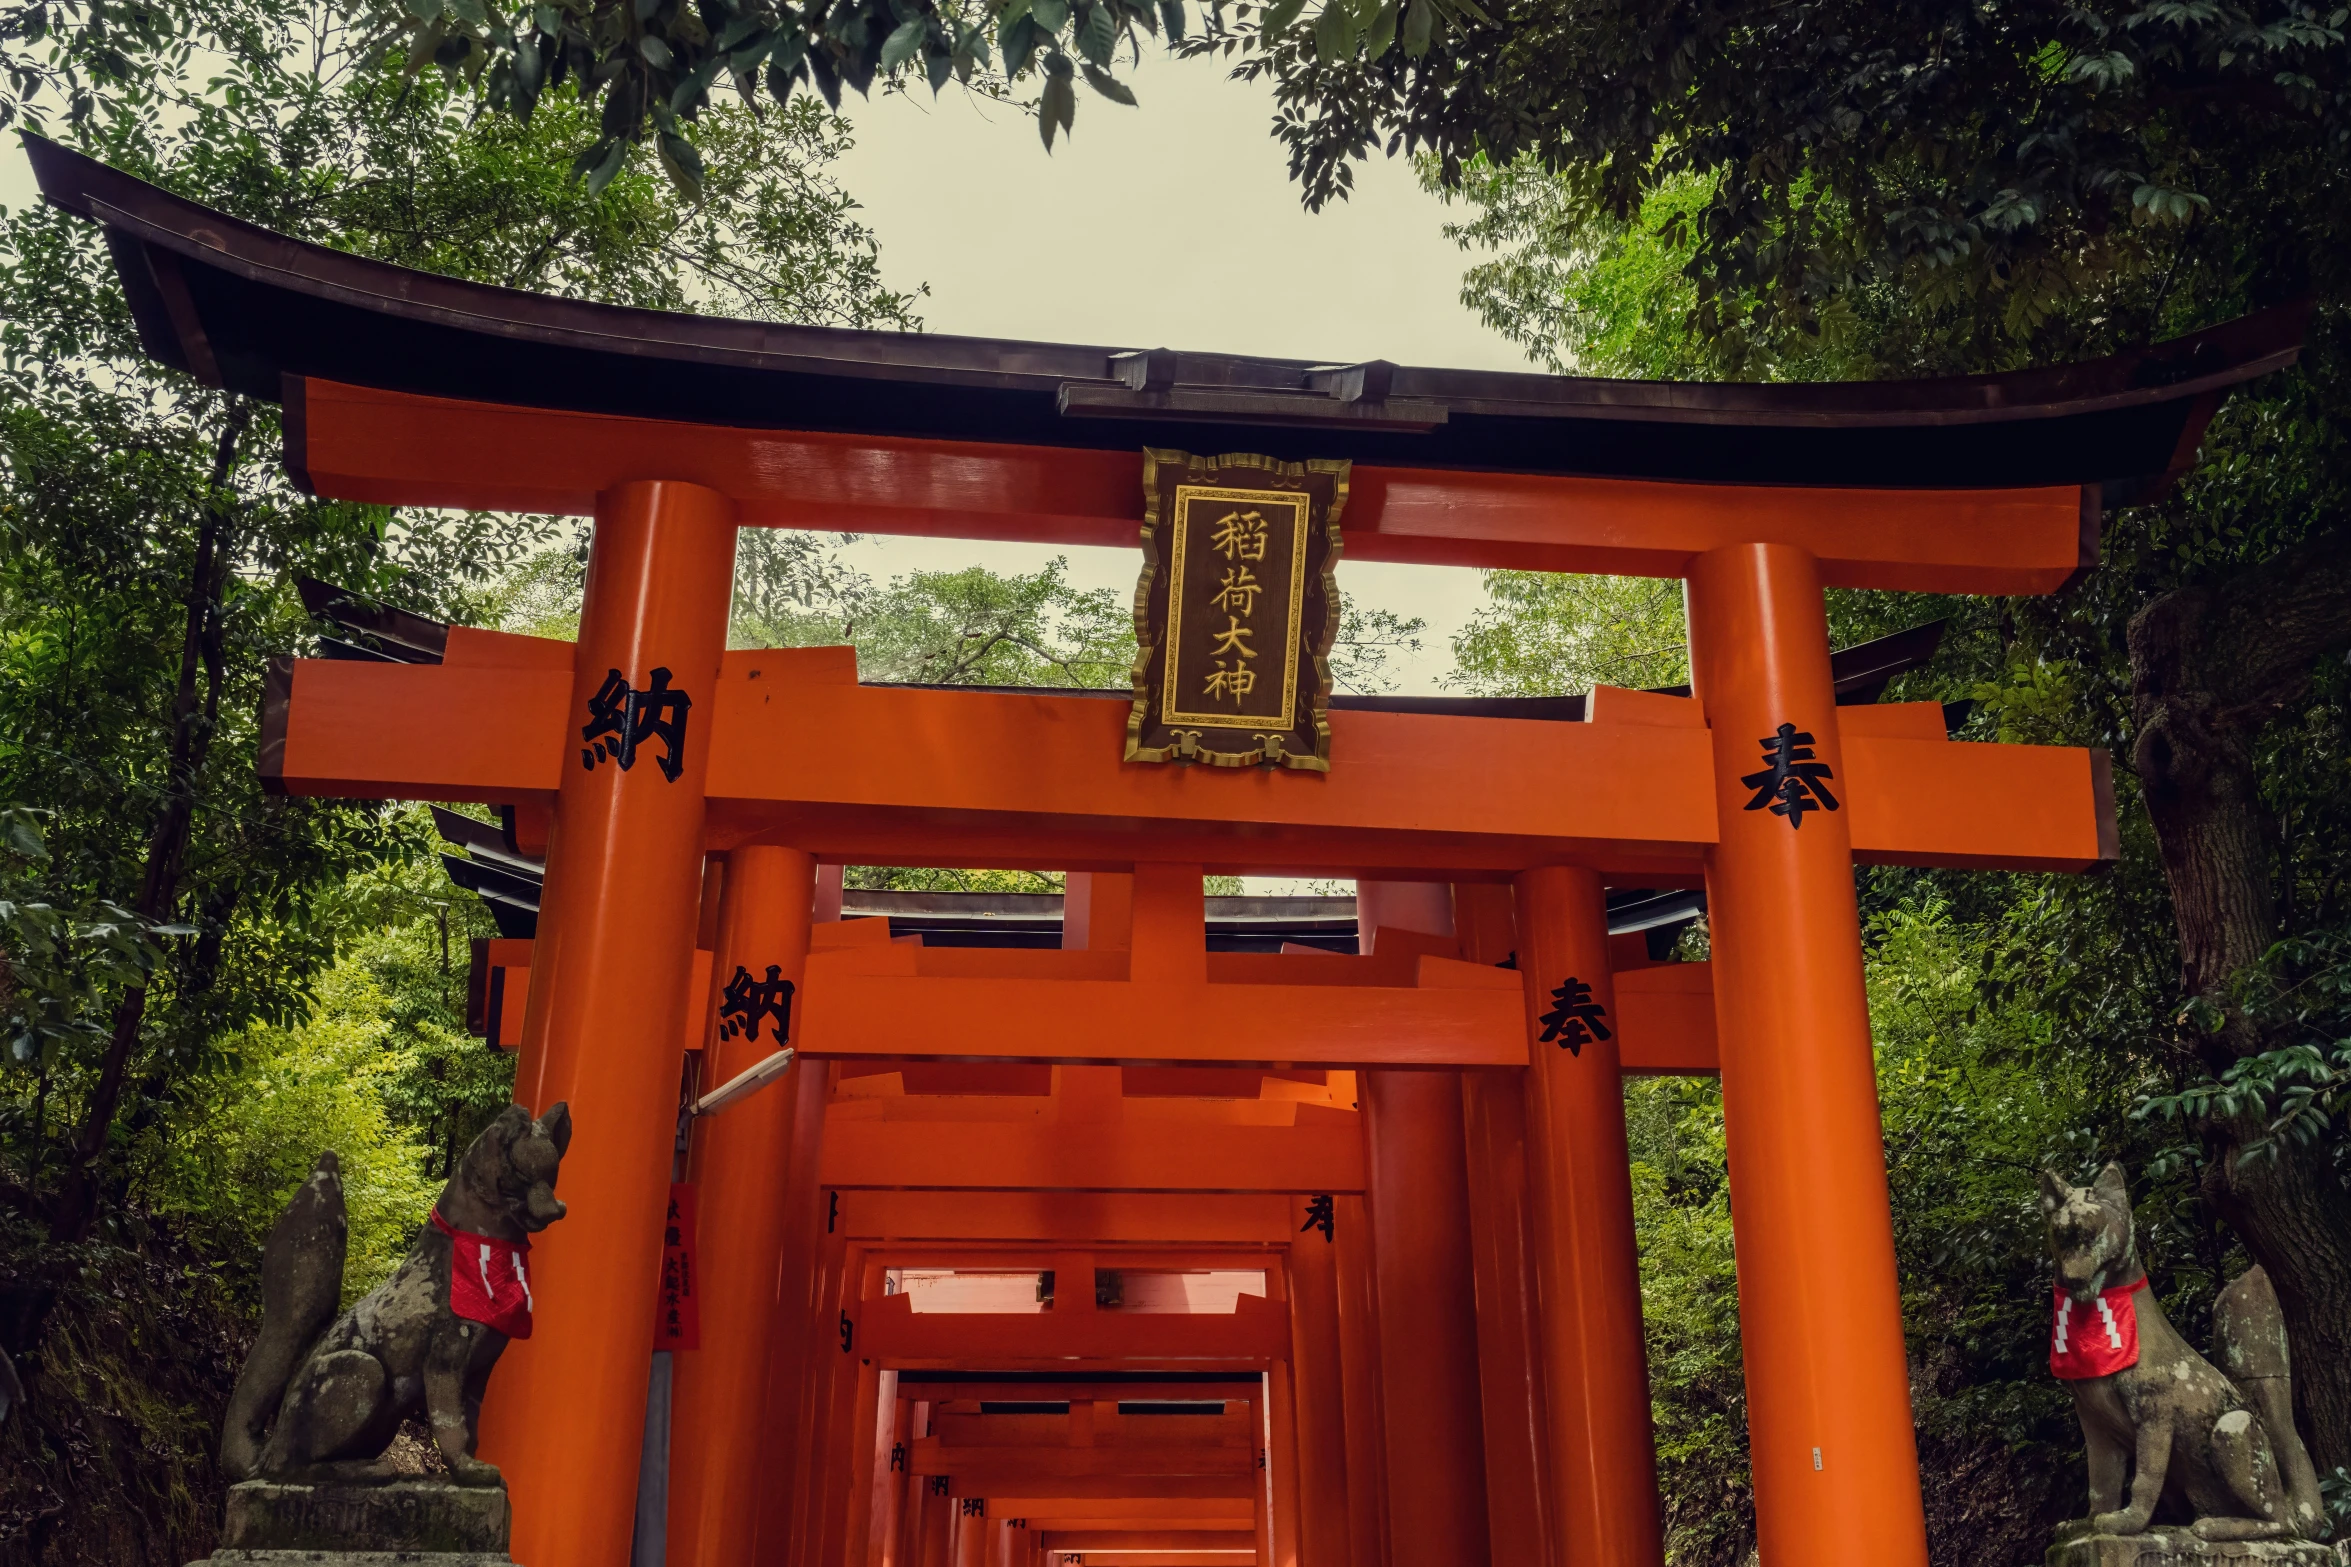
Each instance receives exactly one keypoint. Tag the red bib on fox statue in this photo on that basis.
(2098, 1339)
(487, 1283)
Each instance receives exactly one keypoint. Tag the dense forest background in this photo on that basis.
(200, 985)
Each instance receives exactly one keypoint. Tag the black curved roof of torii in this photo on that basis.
(242, 307)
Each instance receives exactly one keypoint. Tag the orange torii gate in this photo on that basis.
(673, 431)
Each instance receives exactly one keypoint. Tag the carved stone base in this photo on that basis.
(426, 1523)
(2176, 1547)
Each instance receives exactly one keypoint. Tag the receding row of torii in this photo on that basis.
(1483, 1220)
(787, 746)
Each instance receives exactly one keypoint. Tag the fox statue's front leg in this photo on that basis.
(2153, 1466)
(446, 1406)
(2109, 1465)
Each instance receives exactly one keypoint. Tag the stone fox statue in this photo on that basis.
(321, 1396)
(2155, 1413)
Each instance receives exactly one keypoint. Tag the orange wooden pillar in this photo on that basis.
(895, 1444)
(1359, 1357)
(1416, 1171)
(1317, 1382)
(1820, 1311)
(936, 1515)
(1519, 1500)
(1281, 1462)
(611, 966)
(793, 1326)
(1594, 1358)
(847, 1438)
(971, 1534)
(741, 1164)
(821, 1446)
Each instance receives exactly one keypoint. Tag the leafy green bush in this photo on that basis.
(227, 1171)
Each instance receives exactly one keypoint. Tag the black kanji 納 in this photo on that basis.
(1575, 1018)
(746, 1000)
(621, 718)
(1792, 781)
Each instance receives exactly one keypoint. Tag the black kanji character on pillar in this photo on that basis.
(897, 1456)
(975, 1507)
(620, 718)
(1574, 1018)
(746, 1000)
(1791, 782)
(1319, 1216)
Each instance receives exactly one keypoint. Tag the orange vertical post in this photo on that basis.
(1281, 1461)
(1317, 1381)
(792, 1354)
(1820, 1310)
(1416, 1171)
(613, 958)
(819, 1444)
(1416, 1174)
(1519, 1500)
(848, 1435)
(1594, 1358)
(1097, 910)
(897, 1443)
(971, 1536)
(936, 1515)
(741, 1164)
(1359, 1355)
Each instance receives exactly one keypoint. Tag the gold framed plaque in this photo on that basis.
(1235, 611)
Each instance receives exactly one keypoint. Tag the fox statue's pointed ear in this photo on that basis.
(2053, 1190)
(2111, 1187)
(556, 1123)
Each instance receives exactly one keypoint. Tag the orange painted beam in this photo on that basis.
(1224, 1541)
(1091, 1157)
(1667, 1012)
(891, 1331)
(894, 776)
(1101, 1021)
(1056, 1511)
(1175, 1558)
(1151, 1490)
(400, 450)
(933, 1457)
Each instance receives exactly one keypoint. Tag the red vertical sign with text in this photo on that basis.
(678, 1322)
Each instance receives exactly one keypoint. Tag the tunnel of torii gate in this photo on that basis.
(1434, 1352)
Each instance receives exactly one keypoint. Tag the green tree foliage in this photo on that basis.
(148, 542)
(2015, 163)
(227, 1165)
(650, 68)
(1542, 632)
(204, 984)
(2073, 1024)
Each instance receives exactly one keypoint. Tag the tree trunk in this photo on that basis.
(2210, 667)
(195, 714)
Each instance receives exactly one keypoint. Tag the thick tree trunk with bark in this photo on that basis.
(2210, 667)
(195, 715)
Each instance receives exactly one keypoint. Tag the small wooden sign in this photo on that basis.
(1236, 610)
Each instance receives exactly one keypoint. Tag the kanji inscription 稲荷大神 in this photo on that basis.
(1236, 611)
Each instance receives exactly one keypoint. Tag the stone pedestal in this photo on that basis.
(405, 1523)
(2176, 1547)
